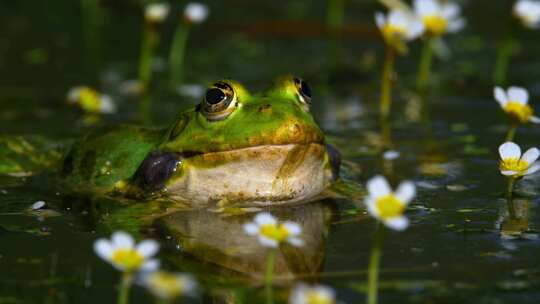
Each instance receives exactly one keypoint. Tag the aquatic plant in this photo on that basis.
(396, 28)
(527, 13)
(154, 14)
(438, 18)
(514, 166)
(194, 13)
(168, 286)
(129, 258)
(514, 102)
(316, 294)
(272, 234)
(387, 207)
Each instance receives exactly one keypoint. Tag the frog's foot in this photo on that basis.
(27, 156)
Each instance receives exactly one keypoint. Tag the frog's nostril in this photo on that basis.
(214, 96)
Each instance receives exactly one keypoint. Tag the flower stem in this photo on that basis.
(386, 81)
(374, 262)
(505, 51)
(163, 301)
(269, 276)
(176, 55)
(511, 132)
(424, 68)
(509, 198)
(125, 285)
(149, 42)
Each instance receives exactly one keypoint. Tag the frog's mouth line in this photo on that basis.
(191, 154)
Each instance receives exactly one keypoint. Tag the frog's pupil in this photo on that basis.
(214, 96)
(305, 89)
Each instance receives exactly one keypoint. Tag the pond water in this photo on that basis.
(461, 246)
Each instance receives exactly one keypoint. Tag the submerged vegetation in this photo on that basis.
(464, 235)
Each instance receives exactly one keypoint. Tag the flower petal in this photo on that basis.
(378, 186)
(121, 239)
(150, 265)
(264, 218)
(104, 249)
(380, 19)
(398, 223)
(533, 169)
(251, 229)
(450, 10)
(456, 25)
(297, 242)
(518, 94)
(531, 155)
(266, 242)
(415, 29)
(148, 248)
(500, 96)
(509, 150)
(293, 228)
(509, 173)
(426, 7)
(534, 119)
(372, 208)
(406, 192)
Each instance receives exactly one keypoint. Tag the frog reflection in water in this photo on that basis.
(260, 149)
(225, 244)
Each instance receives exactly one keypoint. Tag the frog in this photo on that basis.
(234, 147)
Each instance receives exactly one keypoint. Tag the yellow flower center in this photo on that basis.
(128, 259)
(521, 112)
(394, 35)
(89, 100)
(166, 285)
(314, 297)
(275, 232)
(389, 206)
(435, 25)
(514, 164)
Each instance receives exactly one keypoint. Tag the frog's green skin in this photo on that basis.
(261, 149)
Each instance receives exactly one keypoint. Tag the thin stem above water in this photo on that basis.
(386, 82)
(424, 69)
(374, 264)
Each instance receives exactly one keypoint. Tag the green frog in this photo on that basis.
(234, 147)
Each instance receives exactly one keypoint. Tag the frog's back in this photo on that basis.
(106, 158)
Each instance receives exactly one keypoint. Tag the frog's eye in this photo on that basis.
(219, 101)
(304, 91)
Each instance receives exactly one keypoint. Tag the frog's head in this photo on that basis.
(230, 118)
(241, 147)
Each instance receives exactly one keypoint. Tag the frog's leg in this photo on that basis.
(21, 156)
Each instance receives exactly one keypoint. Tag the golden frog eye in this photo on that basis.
(219, 101)
(304, 91)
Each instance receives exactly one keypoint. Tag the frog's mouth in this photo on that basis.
(160, 166)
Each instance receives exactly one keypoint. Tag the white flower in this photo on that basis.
(165, 285)
(196, 12)
(156, 12)
(271, 233)
(515, 102)
(387, 206)
(124, 255)
(439, 17)
(90, 100)
(398, 26)
(513, 164)
(528, 13)
(317, 294)
(391, 155)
